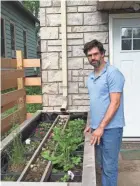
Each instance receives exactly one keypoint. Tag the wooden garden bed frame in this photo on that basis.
(89, 172)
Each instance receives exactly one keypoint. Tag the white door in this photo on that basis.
(126, 57)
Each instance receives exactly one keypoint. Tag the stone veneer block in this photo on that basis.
(87, 8)
(82, 2)
(42, 17)
(80, 102)
(72, 87)
(44, 44)
(78, 51)
(55, 100)
(94, 28)
(101, 36)
(50, 88)
(54, 75)
(54, 10)
(74, 19)
(45, 3)
(49, 32)
(75, 63)
(53, 20)
(95, 18)
(49, 61)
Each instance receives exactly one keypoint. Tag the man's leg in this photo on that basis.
(110, 152)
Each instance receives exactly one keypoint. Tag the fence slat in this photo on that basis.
(9, 78)
(29, 115)
(8, 63)
(12, 96)
(8, 106)
(36, 81)
(17, 116)
(12, 83)
(34, 99)
(31, 63)
(14, 74)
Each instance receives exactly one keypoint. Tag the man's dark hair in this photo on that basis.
(92, 44)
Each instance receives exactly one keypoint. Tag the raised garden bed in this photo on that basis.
(58, 155)
(16, 154)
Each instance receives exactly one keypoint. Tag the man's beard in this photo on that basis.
(96, 64)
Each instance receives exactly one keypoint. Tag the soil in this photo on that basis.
(36, 170)
(29, 150)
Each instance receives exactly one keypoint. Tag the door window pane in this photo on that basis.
(126, 33)
(136, 44)
(136, 32)
(126, 44)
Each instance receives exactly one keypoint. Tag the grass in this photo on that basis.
(31, 108)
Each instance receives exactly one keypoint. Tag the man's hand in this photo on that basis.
(87, 130)
(96, 136)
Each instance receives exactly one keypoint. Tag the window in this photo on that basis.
(12, 33)
(130, 38)
(2, 38)
(25, 43)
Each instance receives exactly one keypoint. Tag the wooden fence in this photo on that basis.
(12, 76)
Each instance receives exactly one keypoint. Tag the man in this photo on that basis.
(105, 86)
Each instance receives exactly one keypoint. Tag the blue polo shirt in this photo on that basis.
(99, 89)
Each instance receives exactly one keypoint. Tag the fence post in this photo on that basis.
(20, 85)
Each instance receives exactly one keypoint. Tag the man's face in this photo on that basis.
(95, 57)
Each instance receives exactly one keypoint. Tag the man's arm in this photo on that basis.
(113, 107)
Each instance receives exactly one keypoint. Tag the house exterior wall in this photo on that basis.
(84, 23)
(11, 13)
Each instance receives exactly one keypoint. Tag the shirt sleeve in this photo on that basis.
(116, 81)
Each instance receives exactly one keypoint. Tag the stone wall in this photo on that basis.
(84, 23)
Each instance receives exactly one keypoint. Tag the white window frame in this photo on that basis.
(111, 20)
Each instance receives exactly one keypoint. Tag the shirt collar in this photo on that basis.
(92, 76)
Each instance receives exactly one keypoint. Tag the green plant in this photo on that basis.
(67, 142)
(17, 154)
(65, 178)
(9, 178)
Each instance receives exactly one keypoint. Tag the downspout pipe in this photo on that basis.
(64, 56)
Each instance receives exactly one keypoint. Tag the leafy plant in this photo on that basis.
(65, 178)
(9, 178)
(67, 142)
(16, 156)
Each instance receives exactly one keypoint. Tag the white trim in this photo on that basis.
(111, 19)
(130, 139)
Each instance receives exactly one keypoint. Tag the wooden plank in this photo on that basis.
(31, 63)
(20, 81)
(12, 96)
(29, 115)
(16, 117)
(8, 106)
(8, 63)
(14, 74)
(34, 99)
(89, 170)
(12, 83)
(36, 81)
